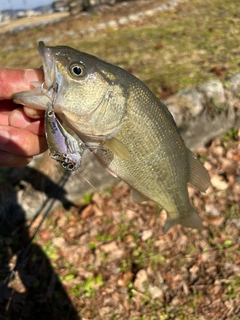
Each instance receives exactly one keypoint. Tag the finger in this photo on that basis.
(21, 142)
(33, 113)
(12, 160)
(4, 118)
(12, 81)
(18, 119)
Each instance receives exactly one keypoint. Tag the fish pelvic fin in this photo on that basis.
(190, 221)
(118, 148)
(199, 177)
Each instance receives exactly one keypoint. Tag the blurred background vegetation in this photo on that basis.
(183, 47)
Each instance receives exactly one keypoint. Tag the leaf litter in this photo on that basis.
(108, 258)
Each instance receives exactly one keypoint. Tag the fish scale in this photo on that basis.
(129, 130)
(160, 182)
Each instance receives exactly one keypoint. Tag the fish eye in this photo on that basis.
(77, 70)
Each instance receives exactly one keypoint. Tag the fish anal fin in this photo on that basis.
(118, 148)
(199, 177)
(190, 221)
(137, 197)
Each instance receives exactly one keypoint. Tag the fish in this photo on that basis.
(131, 132)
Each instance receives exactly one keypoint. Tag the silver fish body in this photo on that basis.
(140, 142)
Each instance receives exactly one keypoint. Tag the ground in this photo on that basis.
(107, 258)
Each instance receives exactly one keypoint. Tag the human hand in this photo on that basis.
(22, 133)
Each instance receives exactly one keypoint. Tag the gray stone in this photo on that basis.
(149, 13)
(193, 101)
(112, 24)
(123, 21)
(133, 17)
(198, 117)
(234, 84)
(214, 92)
(185, 105)
(101, 26)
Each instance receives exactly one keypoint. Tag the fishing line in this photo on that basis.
(107, 196)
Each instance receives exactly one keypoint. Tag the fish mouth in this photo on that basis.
(48, 64)
(42, 93)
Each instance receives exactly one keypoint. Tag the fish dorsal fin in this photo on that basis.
(118, 148)
(199, 177)
(137, 197)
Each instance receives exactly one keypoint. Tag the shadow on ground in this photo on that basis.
(39, 294)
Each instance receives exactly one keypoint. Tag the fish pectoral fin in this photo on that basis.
(118, 148)
(199, 177)
(137, 197)
(190, 221)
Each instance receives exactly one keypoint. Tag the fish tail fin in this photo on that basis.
(190, 221)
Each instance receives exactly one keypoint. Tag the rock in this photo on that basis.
(206, 112)
(214, 92)
(185, 105)
(234, 84)
(133, 17)
(191, 100)
(149, 13)
(112, 24)
(123, 21)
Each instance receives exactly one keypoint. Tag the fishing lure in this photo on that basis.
(63, 147)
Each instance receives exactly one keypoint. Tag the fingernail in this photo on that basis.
(18, 119)
(4, 137)
(32, 113)
(30, 75)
